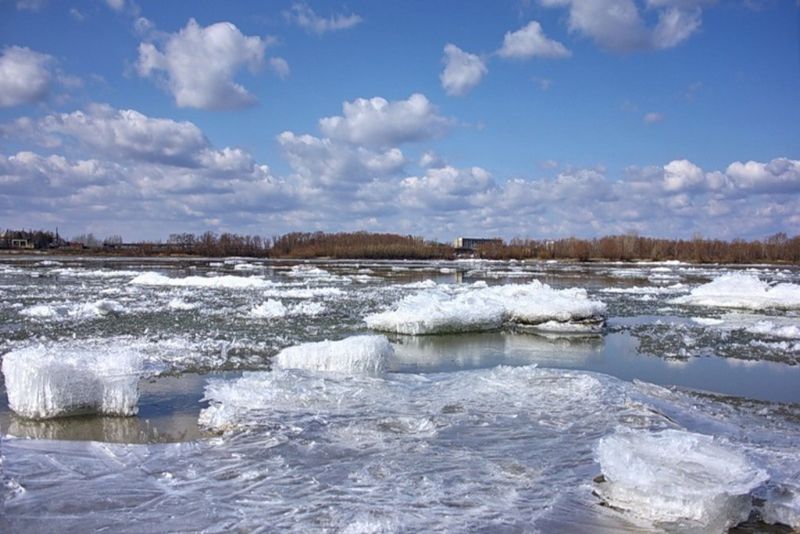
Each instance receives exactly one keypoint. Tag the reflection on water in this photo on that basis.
(168, 410)
(614, 354)
(434, 354)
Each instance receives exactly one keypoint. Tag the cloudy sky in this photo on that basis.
(537, 118)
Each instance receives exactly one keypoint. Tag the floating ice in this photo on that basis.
(44, 382)
(646, 290)
(761, 325)
(743, 291)
(74, 311)
(93, 273)
(677, 477)
(181, 305)
(783, 506)
(271, 309)
(226, 281)
(448, 309)
(357, 354)
(304, 292)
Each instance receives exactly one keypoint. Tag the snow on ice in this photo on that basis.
(745, 291)
(450, 309)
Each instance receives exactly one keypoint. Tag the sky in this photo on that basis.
(511, 118)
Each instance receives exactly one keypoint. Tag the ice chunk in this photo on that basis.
(182, 305)
(356, 354)
(44, 382)
(743, 291)
(304, 292)
(271, 309)
(783, 506)
(438, 312)
(75, 311)
(225, 282)
(448, 309)
(761, 325)
(677, 477)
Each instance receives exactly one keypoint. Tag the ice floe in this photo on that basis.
(73, 311)
(676, 477)
(271, 309)
(761, 325)
(449, 309)
(275, 309)
(357, 354)
(223, 282)
(745, 291)
(44, 383)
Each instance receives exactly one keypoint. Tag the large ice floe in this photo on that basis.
(43, 383)
(744, 291)
(216, 282)
(479, 307)
(685, 480)
(509, 449)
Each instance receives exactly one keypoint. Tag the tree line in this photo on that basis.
(776, 248)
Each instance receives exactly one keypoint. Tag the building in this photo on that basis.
(472, 243)
(21, 243)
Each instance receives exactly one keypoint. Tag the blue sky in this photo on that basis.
(540, 118)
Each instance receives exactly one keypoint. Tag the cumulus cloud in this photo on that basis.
(198, 64)
(322, 161)
(378, 122)
(305, 17)
(445, 188)
(530, 41)
(462, 70)
(619, 25)
(25, 76)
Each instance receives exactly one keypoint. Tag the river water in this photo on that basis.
(492, 430)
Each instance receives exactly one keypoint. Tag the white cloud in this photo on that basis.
(683, 175)
(781, 175)
(322, 161)
(619, 25)
(116, 5)
(462, 70)
(25, 76)
(530, 41)
(445, 188)
(199, 64)
(378, 122)
(280, 67)
(653, 117)
(305, 17)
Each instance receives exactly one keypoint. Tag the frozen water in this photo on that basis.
(761, 325)
(74, 311)
(480, 307)
(225, 281)
(357, 354)
(673, 476)
(42, 383)
(745, 291)
(275, 309)
(304, 292)
(783, 506)
(271, 309)
(439, 312)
